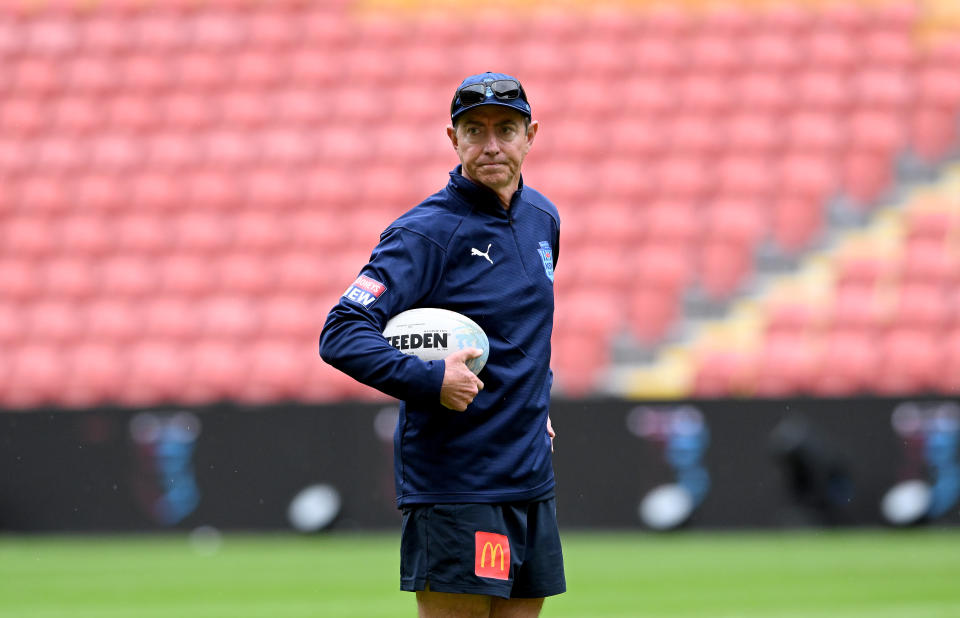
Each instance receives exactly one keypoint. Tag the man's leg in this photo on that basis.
(447, 605)
(432, 604)
(515, 608)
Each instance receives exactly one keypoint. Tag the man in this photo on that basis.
(472, 454)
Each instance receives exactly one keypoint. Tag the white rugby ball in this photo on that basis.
(434, 334)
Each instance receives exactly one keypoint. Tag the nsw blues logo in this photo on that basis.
(546, 254)
(365, 290)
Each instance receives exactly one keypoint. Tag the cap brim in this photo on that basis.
(462, 110)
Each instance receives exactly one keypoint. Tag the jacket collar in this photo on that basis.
(479, 196)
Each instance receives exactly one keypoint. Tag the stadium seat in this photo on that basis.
(762, 91)
(23, 115)
(240, 272)
(910, 361)
(846, 365)
(215, 369)
(185, 110)
(172, 318)
(185, 274)
(948, 377)
(577, 362)
(717, 373)
(279, 371)
(651, 312)
(796, 222)
(833, 49)
(930, 261)
(923, 307)
(19, 279)
(73, 114)
(93, 375)
(933, 133)
(35, 375)
(753, 133)
(737, 220)
(785, 365)
(724, 266)
(27, 237)
(824, 91)
(745, 177)
(156, 372)
(67, 277)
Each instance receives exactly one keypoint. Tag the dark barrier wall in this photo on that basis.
(710, 464)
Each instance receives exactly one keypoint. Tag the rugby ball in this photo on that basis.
(434, 334)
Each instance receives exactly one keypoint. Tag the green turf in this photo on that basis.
(878, 574)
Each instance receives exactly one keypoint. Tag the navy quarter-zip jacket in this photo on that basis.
(497, 450)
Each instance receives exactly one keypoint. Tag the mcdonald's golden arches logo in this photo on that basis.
(492, 555)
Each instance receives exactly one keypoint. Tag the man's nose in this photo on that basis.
(492, 145)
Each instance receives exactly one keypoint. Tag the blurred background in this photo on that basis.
(758, 292)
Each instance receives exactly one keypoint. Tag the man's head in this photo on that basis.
(492, 131)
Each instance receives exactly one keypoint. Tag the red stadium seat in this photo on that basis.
(832, 49)
(746, 177)
(19, 279)
(724, 267)
(674, 221)
(184, 110)
(737, 220)
(156, 373)
(94, 375)
(577, 362)
(722, 373)
(35, 377)
(70, 278)
(54, 321)
(930, 261)
(910, 362)
(217, 370)
(262, 231)
(847, 364)
(933, 133)
(172, 318)
(786, 365)
(244, 273)
(23, 116)
(824, 91)
(771, 51)
(752, 133)
(807, 175)
(201, 232)
(948, 378)
(229, 317)
(797, 222)
(185, 274)
(651, 312)
(763, 91)
(856, 307)
(923, 307)
(684, 177)
(27, 237)
(279, 371)
(715, 52)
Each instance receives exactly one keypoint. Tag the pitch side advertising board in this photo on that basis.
(619, 464)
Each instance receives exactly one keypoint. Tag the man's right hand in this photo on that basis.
(460, 386)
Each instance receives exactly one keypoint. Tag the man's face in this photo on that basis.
(492, 141)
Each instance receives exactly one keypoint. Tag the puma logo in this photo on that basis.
(486, 255)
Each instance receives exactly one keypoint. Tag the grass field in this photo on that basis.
(876, 574)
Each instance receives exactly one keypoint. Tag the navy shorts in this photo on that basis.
(502, 550)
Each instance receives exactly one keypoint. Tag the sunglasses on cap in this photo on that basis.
(503, 89)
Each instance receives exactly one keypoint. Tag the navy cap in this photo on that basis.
(518, 103)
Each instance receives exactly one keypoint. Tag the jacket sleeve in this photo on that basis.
(408, 266)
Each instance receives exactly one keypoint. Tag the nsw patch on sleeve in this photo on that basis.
(492, 555)
(365, 291)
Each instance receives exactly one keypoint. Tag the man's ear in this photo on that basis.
(452, 134)
(532, 131)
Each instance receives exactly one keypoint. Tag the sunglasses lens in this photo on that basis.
(471, 95)
(506, 89)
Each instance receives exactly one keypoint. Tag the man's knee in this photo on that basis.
(515, 608)
(432, 604)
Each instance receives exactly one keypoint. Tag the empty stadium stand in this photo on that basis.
(186, 187)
